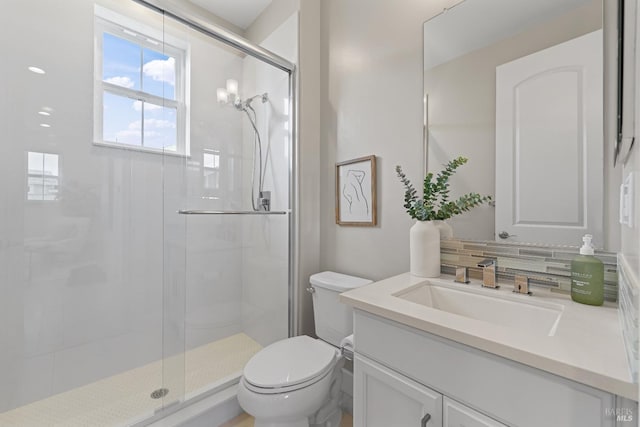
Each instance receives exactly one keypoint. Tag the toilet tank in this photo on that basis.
(334, 320)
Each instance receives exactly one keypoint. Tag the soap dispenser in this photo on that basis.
(587, 275)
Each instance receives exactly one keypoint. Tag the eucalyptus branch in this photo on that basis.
(435, 204)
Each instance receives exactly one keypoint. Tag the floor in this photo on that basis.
(245, 420)
(124, 399)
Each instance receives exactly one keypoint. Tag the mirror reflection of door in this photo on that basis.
(549, 148)
(460, 81)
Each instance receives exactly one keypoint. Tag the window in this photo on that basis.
(43, 176)
(140, 88)
(211, 163)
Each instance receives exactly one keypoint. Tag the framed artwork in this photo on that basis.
(356, 192)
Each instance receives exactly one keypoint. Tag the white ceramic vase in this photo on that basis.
(446, 232)
(424, 249)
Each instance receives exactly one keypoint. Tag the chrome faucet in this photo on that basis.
(462, 275)
(521, 285)
(489, 273)
(264, 201)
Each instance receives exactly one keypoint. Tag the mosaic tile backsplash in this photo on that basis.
(548, 266)
(628, 304)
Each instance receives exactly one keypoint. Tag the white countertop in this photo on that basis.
(587, 346)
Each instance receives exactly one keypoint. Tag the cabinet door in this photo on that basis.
(384, 398)
(456, 414)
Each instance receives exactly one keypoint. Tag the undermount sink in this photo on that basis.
(528, 317)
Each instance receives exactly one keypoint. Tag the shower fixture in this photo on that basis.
(229, 96)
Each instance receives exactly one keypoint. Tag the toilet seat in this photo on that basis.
(289, 365)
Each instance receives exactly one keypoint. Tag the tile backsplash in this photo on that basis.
(628, 304)
(548, 266)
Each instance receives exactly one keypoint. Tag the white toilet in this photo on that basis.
(296, 382)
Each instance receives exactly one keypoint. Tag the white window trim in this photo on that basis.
(114, 23)
(58, 177)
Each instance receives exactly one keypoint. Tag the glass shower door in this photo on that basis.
(82, 254)
(114, 305)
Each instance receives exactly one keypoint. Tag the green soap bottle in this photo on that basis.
(587, 276)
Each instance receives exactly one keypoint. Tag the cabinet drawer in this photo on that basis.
(455, 414)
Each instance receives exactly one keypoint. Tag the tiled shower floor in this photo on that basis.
(124, 399)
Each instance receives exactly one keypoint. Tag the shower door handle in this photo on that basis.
(208, 212)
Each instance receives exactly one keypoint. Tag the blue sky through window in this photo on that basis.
(159, 127)
(135, 67)
(120, 62)
(121, 122)
(158, 74)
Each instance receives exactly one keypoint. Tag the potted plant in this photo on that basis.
(430, 212)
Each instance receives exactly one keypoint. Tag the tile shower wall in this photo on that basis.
(265, 239)
(82, 276)
(544, 265)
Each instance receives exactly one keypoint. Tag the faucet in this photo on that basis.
(488, 273)
(521, 285)
(264, 200)
(462, 275)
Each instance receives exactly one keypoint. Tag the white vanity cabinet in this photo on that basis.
(402, 373)
(455, 414)
(385, 398)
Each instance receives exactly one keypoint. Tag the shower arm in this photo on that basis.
(242, 105)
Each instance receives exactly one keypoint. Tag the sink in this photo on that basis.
(529, 317)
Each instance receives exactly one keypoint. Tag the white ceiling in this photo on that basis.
(240, 13)
(473, 24)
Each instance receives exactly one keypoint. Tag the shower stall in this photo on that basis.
(147, 193)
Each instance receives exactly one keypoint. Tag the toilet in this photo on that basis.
(296, 382)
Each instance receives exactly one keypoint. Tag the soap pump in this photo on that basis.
(587, 275)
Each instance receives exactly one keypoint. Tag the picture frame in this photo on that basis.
(356, 202)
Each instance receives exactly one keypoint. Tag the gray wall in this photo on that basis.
(371, 88)
(372, 104)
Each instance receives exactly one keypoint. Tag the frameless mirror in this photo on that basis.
(517, 87)
(626, 80)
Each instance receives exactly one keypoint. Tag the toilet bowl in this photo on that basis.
(289, 381)
(296, 382)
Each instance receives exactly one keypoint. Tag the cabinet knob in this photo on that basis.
(425, 420)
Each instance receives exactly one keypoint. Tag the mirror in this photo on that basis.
(626, 80)
(517, 87)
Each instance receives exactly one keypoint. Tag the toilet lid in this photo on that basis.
(289, 362)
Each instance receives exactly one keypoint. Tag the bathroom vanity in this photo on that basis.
(431, 352)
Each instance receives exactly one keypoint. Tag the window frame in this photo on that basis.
(107, 21)
(210, 171)
(57, 177)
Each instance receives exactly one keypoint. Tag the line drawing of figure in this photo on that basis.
(353, 193)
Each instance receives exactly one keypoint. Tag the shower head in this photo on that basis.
(242, 105)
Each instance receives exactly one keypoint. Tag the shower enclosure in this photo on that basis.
(146, 223)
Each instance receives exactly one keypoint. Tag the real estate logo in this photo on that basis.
(621, 414)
